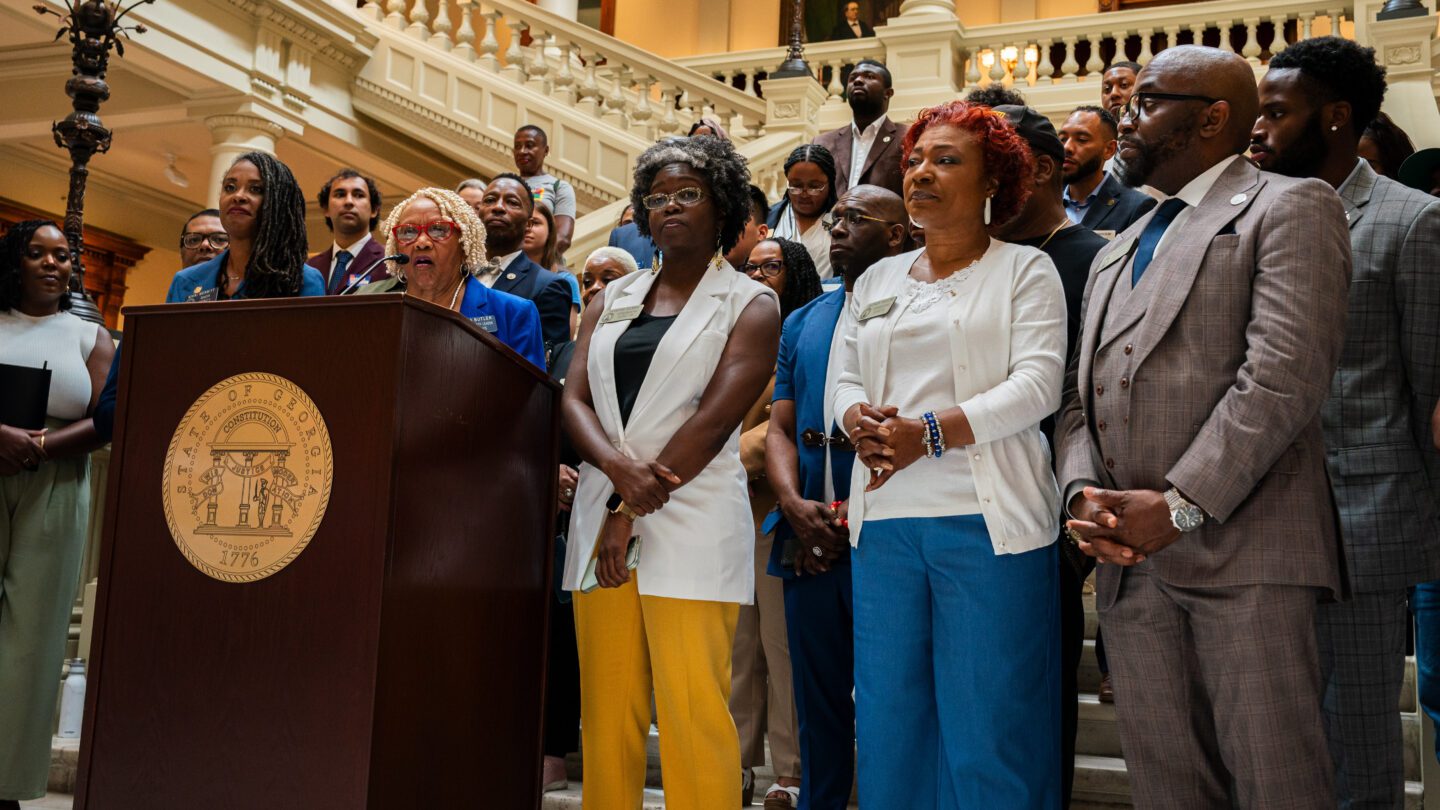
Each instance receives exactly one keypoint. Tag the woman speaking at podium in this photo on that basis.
(661, 542)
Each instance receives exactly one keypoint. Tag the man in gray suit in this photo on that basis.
(1191, 455)
(1315, 103)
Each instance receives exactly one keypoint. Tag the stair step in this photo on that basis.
(1101, 782)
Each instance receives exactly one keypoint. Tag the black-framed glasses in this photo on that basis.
(685, 196)
(851, 218)
(1139, 105)
(770, 269)
(218, 240)
(812, 189)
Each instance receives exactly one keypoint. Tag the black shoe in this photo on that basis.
(9, 804)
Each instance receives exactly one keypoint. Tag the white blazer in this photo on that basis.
(1007, 349)
(700, 544)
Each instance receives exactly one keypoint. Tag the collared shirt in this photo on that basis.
(489, 278)
(833, 368)
(1192, 195)
(860, 143)
(354, 250)
(855, 26)
(1075, 211)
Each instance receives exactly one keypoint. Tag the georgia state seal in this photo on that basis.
(247, 477)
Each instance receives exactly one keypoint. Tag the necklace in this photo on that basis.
(456, 296)
(1058, 228)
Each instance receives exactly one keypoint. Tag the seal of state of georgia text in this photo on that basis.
(247, 477)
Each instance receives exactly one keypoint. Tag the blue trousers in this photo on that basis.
(1425, 604)
(957, 669)
(818, 620)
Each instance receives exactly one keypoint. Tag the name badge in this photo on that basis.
(877, 308)
(486, 322)
(1105, 234)
(202, 294)
(622, 314)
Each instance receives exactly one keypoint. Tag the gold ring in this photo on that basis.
(1074, 535)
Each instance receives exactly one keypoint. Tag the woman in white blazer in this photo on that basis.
(666, 365)
(954, 356)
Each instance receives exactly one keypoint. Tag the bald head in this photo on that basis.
(869, 225)
(881, 199)
(1216, 74)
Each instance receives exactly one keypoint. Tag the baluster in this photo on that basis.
(465, 37)
(440, 31)
(997, 65)
(1172, 38)
(538, 71)
(684, 109)
(669, 124)
(1224, 27)
(489, 45)
(1070, 67)
(1022, 68)
(395, 14)
(642, 111)
(563, 83)
(615, 101)
(1251, 50)
(419, 20)
(1095, 66)
(1336, 20)
(749, 82)
(1302, 31)
(1146, 49)
(1047, 69)
(514, 69)
(1279, 44)
(374, 10)
(972, 71)
(589, 89)
(835, 89)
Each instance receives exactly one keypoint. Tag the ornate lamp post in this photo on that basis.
(795, 64)
(94, 28)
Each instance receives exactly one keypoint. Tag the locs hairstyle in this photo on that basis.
(278, 256)
(1007, 156)
(12, 250)
(716, 160)
(370, 188)
(1336, 69)
(802, 281)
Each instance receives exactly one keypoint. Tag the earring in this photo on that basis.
(1333, 128)
(987, 210)
(655, 262)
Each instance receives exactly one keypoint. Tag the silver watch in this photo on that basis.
(1186, 516)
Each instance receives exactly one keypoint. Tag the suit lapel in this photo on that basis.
(692, 320)
(1110, 274)
(513, 276)
(1181, 261)
(884, 139)
(814, 357)
(602, 349)
(1106, 196)
(841, 153)
(1357, 195)
(371, 253)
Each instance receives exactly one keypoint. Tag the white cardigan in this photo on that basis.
(1007, 348)
(701, 543)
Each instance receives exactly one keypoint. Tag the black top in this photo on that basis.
(633, 352)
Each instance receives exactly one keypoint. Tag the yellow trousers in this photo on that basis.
(681, 647)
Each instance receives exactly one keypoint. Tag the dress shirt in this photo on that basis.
(489, 278)
(1075, 211)
(354, 251)
(1192, 195)
(860, 143)
(832, 376)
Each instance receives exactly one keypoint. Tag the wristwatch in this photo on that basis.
(1186, 516)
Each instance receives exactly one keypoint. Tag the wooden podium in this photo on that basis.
(398, 661)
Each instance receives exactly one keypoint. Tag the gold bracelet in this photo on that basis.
(624, 509)
(42, 439)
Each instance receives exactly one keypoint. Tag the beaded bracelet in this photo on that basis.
(934, 437)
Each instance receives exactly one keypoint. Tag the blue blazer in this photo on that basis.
(627, 237)
(548, 290)
(800, 377)
(510, 318)
(198, 283)
(1116, 207)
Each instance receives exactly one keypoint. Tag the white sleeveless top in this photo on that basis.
(61, 342)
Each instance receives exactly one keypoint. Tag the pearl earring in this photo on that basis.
(987, 210)
(1333, 128)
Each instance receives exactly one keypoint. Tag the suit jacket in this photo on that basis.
(842, 30)
(369, 254)
(511, 319)
(627, 237)
(199, 282)
(1384, 469)
(800, 377)
(1116, 207)
(550, 292)
(1209, 376)
(882, 163)
(701, 545)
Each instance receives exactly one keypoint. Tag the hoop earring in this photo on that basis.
(987, 210)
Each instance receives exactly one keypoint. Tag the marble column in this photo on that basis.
(233, 135)
(1405, 46)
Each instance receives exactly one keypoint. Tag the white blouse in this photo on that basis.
(1004, 346)
(816, 240)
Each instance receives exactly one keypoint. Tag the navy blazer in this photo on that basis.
(199, 282)
(800, 377)
(549, 291)
(369, 254)
(1116, 207)
(627, 237)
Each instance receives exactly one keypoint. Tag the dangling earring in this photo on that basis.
(655, 262)
(987, 210)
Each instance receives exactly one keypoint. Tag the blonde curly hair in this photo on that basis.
(453, 207)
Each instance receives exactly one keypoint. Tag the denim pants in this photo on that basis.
(1425, 604)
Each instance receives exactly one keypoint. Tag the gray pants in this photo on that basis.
(43, 517)
(1362, 661)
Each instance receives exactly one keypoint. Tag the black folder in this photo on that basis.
(26, 397)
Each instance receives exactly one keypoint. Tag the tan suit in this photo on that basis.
(1209, 376)
(762, 695)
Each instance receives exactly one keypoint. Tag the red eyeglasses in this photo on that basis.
(438, 230)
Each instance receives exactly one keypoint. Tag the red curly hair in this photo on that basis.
(1007, 156)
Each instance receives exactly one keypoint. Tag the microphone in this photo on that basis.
(398, 258)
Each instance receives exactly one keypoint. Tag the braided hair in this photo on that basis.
(820, 156)
(802, 281)
(277, 258)
(12, 250)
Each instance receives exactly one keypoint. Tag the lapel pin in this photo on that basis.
(1237, 199)
(887, 139)
(510, 276)
(1113, 200)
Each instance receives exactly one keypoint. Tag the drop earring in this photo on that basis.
(655, 261)
(987, 210)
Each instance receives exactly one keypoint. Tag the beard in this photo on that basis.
(1304, 156)
(866, 107)
(1136, 171)
(1085, 169)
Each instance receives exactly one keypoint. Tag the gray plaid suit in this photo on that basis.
(1378, 449)
(1209, 376)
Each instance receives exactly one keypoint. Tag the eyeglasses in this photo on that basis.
(218, 240)
(1139, 104)
(685, 196)
(438, 230)
(770, 269)
(813, 188)
(851, 218)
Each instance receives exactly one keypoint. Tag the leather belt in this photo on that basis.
(814, 438)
